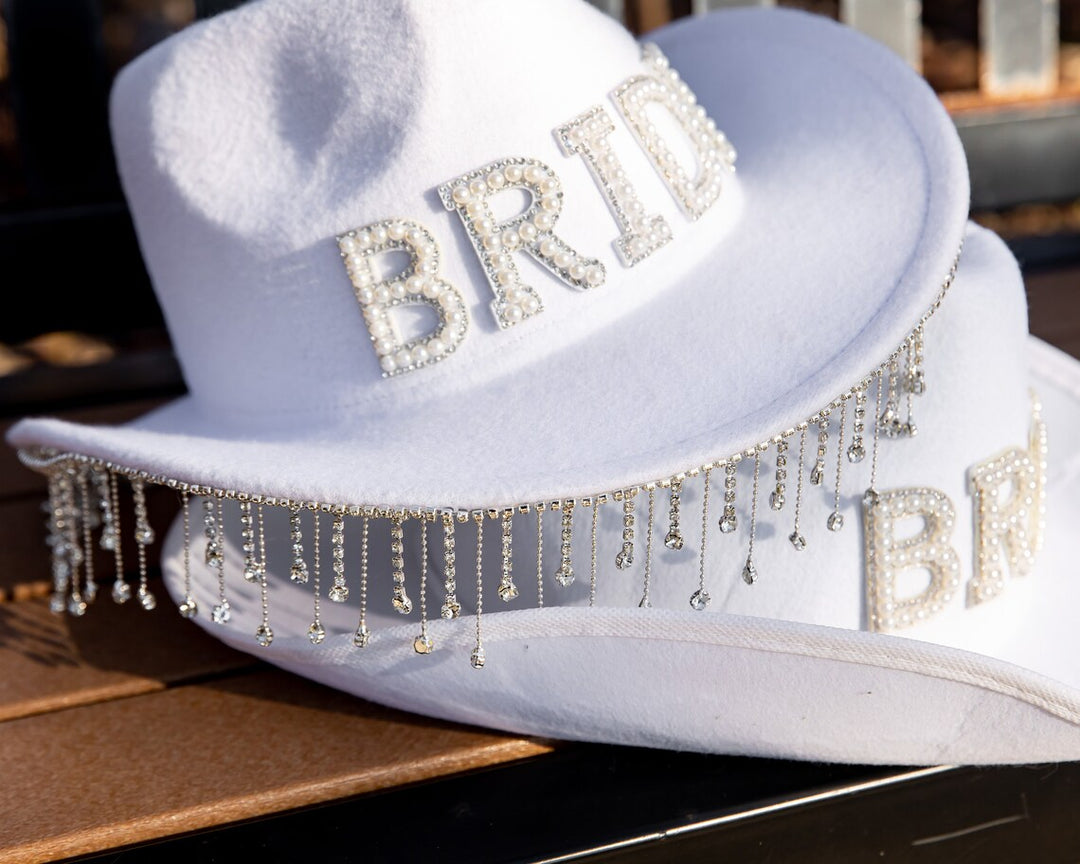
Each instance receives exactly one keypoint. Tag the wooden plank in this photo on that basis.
(139, 769)
(50, 662)
(1054, 306)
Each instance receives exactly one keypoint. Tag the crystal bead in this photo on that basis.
(338, 594)
(212, 554)
(189, 608)
(624, 559)
(252, 572)
(674, 540)
(856, 452)
(909, 429)
(565, 575)
(451, 610)
(264, 635)
(645, 603)
(507, 591)
(835, 521)
(797, 540)
(221, 613)
(90, 592)
(776, 500)
(147, 600)
(699, 599)
(870, 498)
(57, 603)
(817, 475)
(108, 540)
(76, 606)
(299, 571)
(402, 604)
(423, 644)
(477, 659)
(749, 572)
(728, 523)
(316, 633)
(144, 535)
(361, 637)
(916, 381)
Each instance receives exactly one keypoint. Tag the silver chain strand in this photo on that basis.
(264, 635)
(451, 608)
(222, 611)
(339, 591)
(362, 636)
(539, 558)
(423, 643)
(817, 473)
(317, 631)
(857, 451)
(298, 571)
(796, 538)
(592, 553)
(779, 494)
(645, 601)
(188, 608)
(565, 574)
(144, 536)
(729, 521)
(749, 572)
(89, 583)
(507, 590)
(674, 538)
(836, 519)
(477, 659)
(870, 497)
(625, 558)
(121, 590)
(699, 600)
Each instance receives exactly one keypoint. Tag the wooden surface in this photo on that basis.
(124, 726)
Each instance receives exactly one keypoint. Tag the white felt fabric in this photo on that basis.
(780, 668)
(729, 683)
(247, 142)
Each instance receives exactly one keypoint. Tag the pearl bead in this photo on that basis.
(577, 271)
(527, 231)
(484, 227)
(403, 357)
(420, 354)
(398, 290)
(510, 238)
(477, 187)
(363, 240)
(492, 242)
(548, 186)
(503, 277)
(461, 194)
(543, 221)
(432, 289)
(388, 364)
(379, 235)
(513, 313)
(384, 346)
(534, 175)
(550, 203)
(563, 259)
(396, 231)
(531, 304)
(496, 180)
(415, 284)
(437, 347)
(347, 244)
(548, 247)
(382, 293)
(594, 276)
(365, 295)
(513, 173)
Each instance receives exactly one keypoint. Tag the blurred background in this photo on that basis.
(81, 335)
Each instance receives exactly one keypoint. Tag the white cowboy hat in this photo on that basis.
(655, 325)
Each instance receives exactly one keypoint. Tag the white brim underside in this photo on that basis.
(732, 684)
(854, 199)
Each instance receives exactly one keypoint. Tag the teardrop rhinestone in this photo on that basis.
(700, 599)
(423, 645)
(797, 540)
(729, 523)
(189, 608)
(835, 521)
(674, 540)
(147, 600)
(121, 591)
(221, 613)
(777, 499)
(299, 571)
(264, 635)
(508, 591)
(402, 604)
(565, 575)
(338, 594)
(749, 572)
(361, 637)
(316, 633)
(856, 453)
(450, 610)
(478, 659)
(817, 475)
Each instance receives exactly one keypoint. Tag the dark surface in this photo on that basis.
(616, 804)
